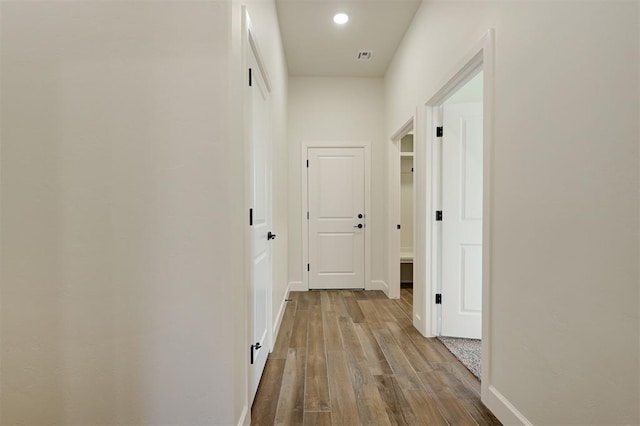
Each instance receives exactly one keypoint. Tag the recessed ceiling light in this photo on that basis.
(341, 18)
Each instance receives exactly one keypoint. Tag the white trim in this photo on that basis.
(503, 409)
(366, 145)
(393, 251)
(297, 286)
(480, 56)
(276, 325)
(245, 418)
(380, 285)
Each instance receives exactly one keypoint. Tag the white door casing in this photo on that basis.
(462, 174)
(337, 218)
(261, 221)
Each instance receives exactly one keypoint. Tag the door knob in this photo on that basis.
(358, 226)
(360, 216)
(271, 236)
(254, 348)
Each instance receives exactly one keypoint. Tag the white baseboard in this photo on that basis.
(503, 409)
(380, 285)
(245, 419)
(297, 286)
(283, 305)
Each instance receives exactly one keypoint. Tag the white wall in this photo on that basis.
(565, 156)
(123, 296)
(338, 109)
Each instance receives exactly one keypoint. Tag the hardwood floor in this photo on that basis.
(353, 357)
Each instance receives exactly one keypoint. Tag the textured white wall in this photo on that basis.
(119, 196)
(338, 109)
(564, 271)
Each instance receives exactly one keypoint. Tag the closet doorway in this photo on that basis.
(401, 210)
(406, 211)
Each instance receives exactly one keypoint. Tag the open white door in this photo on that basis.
(260, 222)
(337, 218)
(462, 221)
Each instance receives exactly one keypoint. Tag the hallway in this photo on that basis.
(353, 357)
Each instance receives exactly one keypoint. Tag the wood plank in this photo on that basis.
(398, 314)
(281, 347)
(299, 330)
(338, 303)
(428, 347)
(424, 407)
(316, 396)
(354, 309)
(291, 401)
(370, 403)
(450, 407)
(317, 418)
(374, 311)
(350, 339)
(344, 408)
(263, 411)
(415, 357)
(375, 357)
(332, 336)
(395, 357)
(396, 405)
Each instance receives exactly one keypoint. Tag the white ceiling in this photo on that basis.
(315, 46)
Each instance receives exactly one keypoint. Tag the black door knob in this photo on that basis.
(360, 216)
(271, 236)
(358, 226)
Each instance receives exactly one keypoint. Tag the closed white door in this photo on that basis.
(337, 219)
(462, 221)
(260, 223)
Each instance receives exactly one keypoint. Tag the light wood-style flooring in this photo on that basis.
(353, 357)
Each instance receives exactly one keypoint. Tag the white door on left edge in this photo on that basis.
(261, 219)
(337, 219)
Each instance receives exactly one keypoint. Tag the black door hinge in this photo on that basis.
(438, 299)
(439, 216)
(308, 268)
(398, 226)
(307, 163)
(250, 77)
(250, 217)
(307, 215)
(439, 132)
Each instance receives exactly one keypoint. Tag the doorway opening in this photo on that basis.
(459, 313)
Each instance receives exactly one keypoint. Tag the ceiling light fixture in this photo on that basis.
(341, 18)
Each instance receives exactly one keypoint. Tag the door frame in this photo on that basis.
(250, 46)
(366, 145)
(394, 208)
(481, 56)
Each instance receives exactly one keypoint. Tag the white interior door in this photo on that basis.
(337, 218)
(462, 221)
(261, 223)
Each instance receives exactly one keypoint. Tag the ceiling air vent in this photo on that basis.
(365, 55)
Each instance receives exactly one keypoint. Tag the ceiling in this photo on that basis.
(315, 46)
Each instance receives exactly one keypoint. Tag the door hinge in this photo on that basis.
(439, 131)
(398, 226)
(307, 163)
(438, 299)
(439, 216)
(308, 268)
(250, 217)
(250, 77)
(307, 215)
